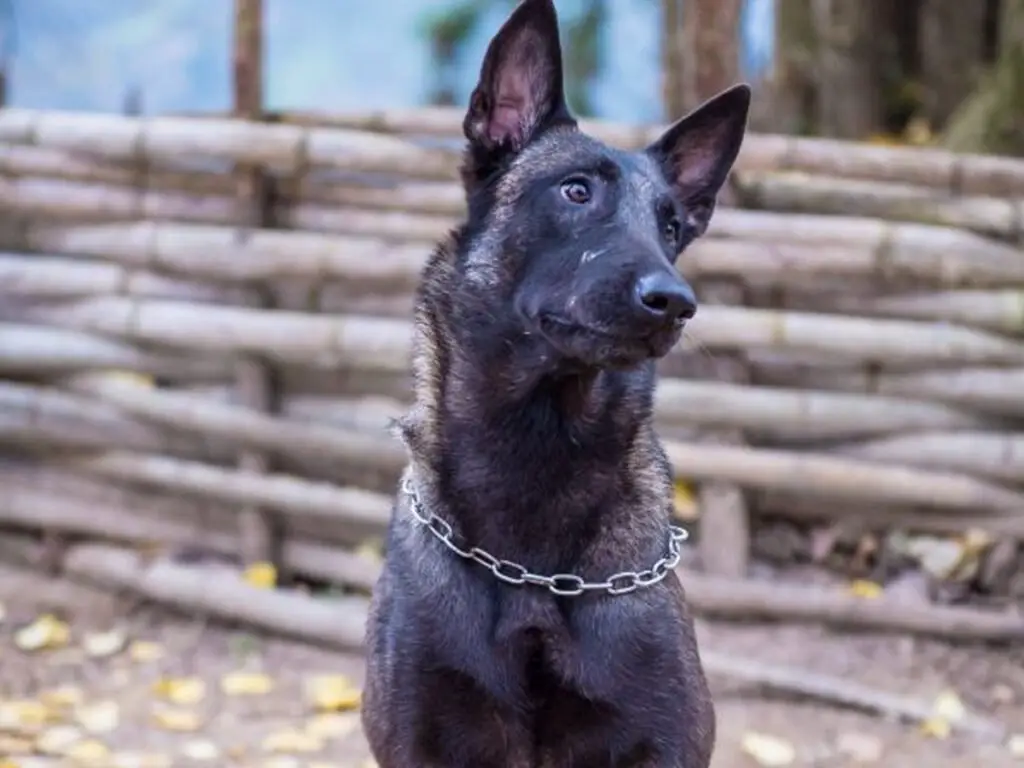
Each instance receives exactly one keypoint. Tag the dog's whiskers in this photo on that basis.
(692, 342)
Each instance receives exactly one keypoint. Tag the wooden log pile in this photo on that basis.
(204, 334)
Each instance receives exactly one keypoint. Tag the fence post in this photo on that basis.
(259, 528)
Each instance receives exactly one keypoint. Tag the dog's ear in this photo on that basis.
(697, 152)
(520, 88)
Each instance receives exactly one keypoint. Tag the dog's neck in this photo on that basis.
(525, 460)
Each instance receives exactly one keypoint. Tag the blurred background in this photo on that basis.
(914, 70)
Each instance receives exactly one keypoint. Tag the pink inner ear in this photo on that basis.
(508, 113)
(695, 160)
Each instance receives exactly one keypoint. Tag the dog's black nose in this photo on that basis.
(663, 295)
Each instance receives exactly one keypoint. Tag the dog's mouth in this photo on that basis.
(603, 347)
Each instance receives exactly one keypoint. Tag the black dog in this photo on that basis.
(528, 615)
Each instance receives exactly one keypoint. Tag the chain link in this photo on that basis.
(561, 584)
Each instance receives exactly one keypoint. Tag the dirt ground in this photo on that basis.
(123, 703)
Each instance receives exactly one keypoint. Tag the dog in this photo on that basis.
(528, 614)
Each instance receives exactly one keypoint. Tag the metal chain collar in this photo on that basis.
(562, 584)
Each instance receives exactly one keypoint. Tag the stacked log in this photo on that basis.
(882, 329)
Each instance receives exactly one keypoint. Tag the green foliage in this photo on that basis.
(449, 30)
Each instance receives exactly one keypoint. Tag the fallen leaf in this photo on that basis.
(25, 714)
(99, 717)
(129, 377)
(946, 710)
(176, 719)
(293, 741)
(768, 751)
(65, 696)
(100, 645)
(90, 752)
(139, 760)
(867, 590)
(918, 131)
(145, 650)
(180, 690)
(45, 633)
(371, 549)
(936, 727)
(246, 684)
(200, 751)
(281, 762)
(261, 575)
(949, 706)
(58, 740)
(684, 501)
(332, 693)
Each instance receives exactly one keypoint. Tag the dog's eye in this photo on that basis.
(673, 228)
(576, 191)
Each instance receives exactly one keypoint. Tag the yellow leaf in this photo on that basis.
(332, 693)
(100, 645)
(949, 706)
(946, 710)
(884, 140)
(99, 717)
(332, 725)
(292, 741)
(768, 751)
(684, 501)
(918, 131)
(44, 633)
(867, 590)
(936, 727)
(179, 720)
(200, 751)
(246, 684)
(58, 740)
(63, 697)
(90, 752)
(261, 575)
(370, 549)
(144, 650)
(139, 760)
(281, 762)
(180, 690)
(19, 714)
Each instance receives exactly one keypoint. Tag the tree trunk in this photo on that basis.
(710, 50)
(672, 40)
(992, 118)
(850, 103)
(788, 101)
(952, 45)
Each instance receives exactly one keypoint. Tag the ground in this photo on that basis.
(127, 696)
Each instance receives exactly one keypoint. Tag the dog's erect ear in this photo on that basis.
(697, 152)
(520, 87)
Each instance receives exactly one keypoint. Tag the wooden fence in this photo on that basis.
(868, 366)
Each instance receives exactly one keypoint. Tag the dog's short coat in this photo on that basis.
(538, 323)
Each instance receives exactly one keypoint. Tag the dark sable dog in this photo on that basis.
(550, 632)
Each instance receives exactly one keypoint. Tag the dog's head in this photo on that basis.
(571, 240)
